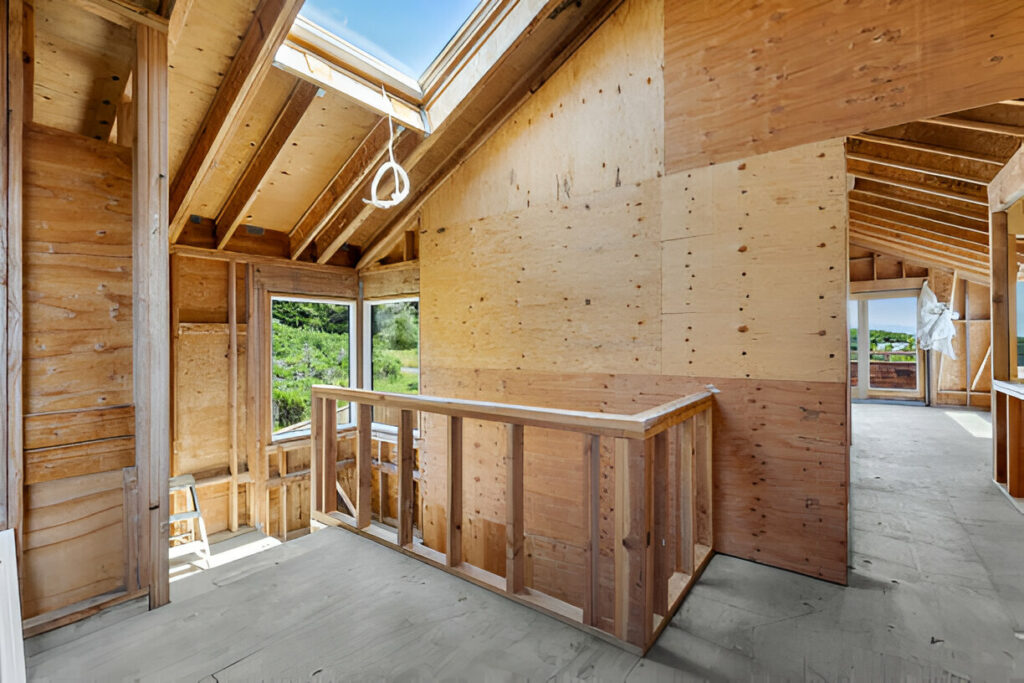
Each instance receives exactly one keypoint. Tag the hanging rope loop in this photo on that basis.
(401, 178)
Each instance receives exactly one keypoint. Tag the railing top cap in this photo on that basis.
(638, 425)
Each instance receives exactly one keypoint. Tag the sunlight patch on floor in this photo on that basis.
(223, 556)
(973, 423)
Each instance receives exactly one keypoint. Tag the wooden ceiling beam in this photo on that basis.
(356, 213)
(915, 198)
(912, 221)
(962, 192)
(918, 211)
(342, 188)
(237, 90)
(929, 149)
(971, 124)
(543, 47)
(1008, 185)
(244, 192)
(937, 173)
(124, 13)
(861, 232)
(897, 250)
(938, 239)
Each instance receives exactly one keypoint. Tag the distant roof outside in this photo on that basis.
(405, 34)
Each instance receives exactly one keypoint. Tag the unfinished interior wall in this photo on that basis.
(757, 77)
(560, 267)
(79, 416)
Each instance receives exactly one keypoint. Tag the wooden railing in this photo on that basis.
(660, 506)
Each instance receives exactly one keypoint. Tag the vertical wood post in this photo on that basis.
(592, 512)
(1015, 448)
(1000, 401)
(151, 302)
(453, 554)
(664, 550)
(702, 481)
(316, 455)
(684, 482)
(364, 464)
(515, 557)
(999, 249)
(282, 491)
(633, 508)
(233, 394)
(329, 471)
(11, 293)
(405, 478)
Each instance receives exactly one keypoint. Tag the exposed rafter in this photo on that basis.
(244, 192)
(948, 175)
(238, 89)
(544, 46)
(929, 149)
(341, 189)
(918, 183)
(971, 124)
(913, 197)
(911, 208)
(916, 222)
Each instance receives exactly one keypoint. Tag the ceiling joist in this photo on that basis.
(929, 149)
(972, 124)
(244, 192)
(248, 69)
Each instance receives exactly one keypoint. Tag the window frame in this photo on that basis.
(353, 350)
(367, 335)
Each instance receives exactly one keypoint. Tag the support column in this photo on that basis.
(151, 307)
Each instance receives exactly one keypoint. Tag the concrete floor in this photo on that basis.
(936, 593)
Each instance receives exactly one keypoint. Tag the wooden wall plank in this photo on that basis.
(897, 63)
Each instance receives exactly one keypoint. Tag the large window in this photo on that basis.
(893, 343)
(311, 343)
(394, 342)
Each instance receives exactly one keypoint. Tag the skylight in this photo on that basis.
(404, 34)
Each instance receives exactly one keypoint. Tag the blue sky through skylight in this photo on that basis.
(406, 34)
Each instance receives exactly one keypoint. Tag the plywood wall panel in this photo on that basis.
(575, 282)
(743, 77)
(73, 541)
(535, 230)
(201, 417)
(729, 309)
(199, 290)
(77, 272)
(79, 427)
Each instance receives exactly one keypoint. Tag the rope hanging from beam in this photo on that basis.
(401, 178)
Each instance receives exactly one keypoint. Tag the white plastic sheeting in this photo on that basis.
(935, 329)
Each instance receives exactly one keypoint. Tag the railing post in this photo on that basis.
(591, 511)
(633, 522)
(453, 554)
(685, 511)
(364, 464)
(515, 558)
(664, 550)
(702, 481)
(329, 464)
(316, 456)
(405, 468)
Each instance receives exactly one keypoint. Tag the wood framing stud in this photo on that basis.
(515, 554)
(453, 555)
(405, 478)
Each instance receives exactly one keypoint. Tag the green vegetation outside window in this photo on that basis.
(395, 346)
(311, 343)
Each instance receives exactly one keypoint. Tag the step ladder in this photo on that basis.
(195, 540)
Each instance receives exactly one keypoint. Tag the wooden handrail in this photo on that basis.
(659, 516)
(637, 426)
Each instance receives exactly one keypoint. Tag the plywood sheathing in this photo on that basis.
(558, 253)
(770, 76)
(78, 371)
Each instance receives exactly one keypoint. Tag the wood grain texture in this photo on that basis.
(744, 77)
(78, 269)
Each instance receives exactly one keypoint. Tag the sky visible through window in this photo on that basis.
(406, 34)
(891, 315)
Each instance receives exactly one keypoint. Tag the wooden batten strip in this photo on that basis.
(982, 126)
(245, 190)
(916, 186)
(949, 175)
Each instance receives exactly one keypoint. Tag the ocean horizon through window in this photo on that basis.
(404, 34)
